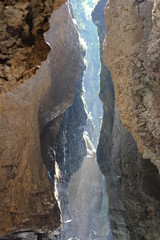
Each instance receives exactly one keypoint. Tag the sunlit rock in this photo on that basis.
(27, 111)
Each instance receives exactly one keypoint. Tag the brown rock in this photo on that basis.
(133, 183)
(26, 196)
(23, 46)
(131, 52)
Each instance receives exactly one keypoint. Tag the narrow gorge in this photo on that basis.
(79, 120)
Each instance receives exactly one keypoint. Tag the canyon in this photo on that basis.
(131, 152)
(52, 177)
(29, 109)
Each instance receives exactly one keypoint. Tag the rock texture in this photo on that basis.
(82, 191)
(131, 52)
(85, 196)
(81, 195)
(21, 36)
(70, 136)
(106, 93)
(88, 32)
(133, 189)
(30, 108)
(133, 183)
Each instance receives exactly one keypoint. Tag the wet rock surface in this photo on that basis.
(26, 195)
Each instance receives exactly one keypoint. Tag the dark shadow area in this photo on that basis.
(106, 94)
(150, 179)
(48, 146)
(70, 158)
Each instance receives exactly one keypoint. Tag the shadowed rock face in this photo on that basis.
(133, 184)
(28, 111)
(106, 93)
(133, 191)
(131, 52)
(82, 191)
(70, 136)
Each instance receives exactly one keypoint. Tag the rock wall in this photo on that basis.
(88, 32)
(22, 41)
(69, 160)
(81, 193)
(131, 52)
(106, 93)
(133, 188)
(30, 108)
(70, 135)
(133, 183)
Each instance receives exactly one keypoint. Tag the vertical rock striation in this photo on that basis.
(131, 54)
(29, 109)
(106, 93)
(133, 188)
(88, 33)
(70, 136)
(71, 150)
(81, 189)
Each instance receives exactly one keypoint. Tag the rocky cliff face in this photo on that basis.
(22, 26)
(106, 93)
(70, 136)
(81, 193)
(88, 32)
(131, 52)
(31, 108)
(133, 188)
(133, 183)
